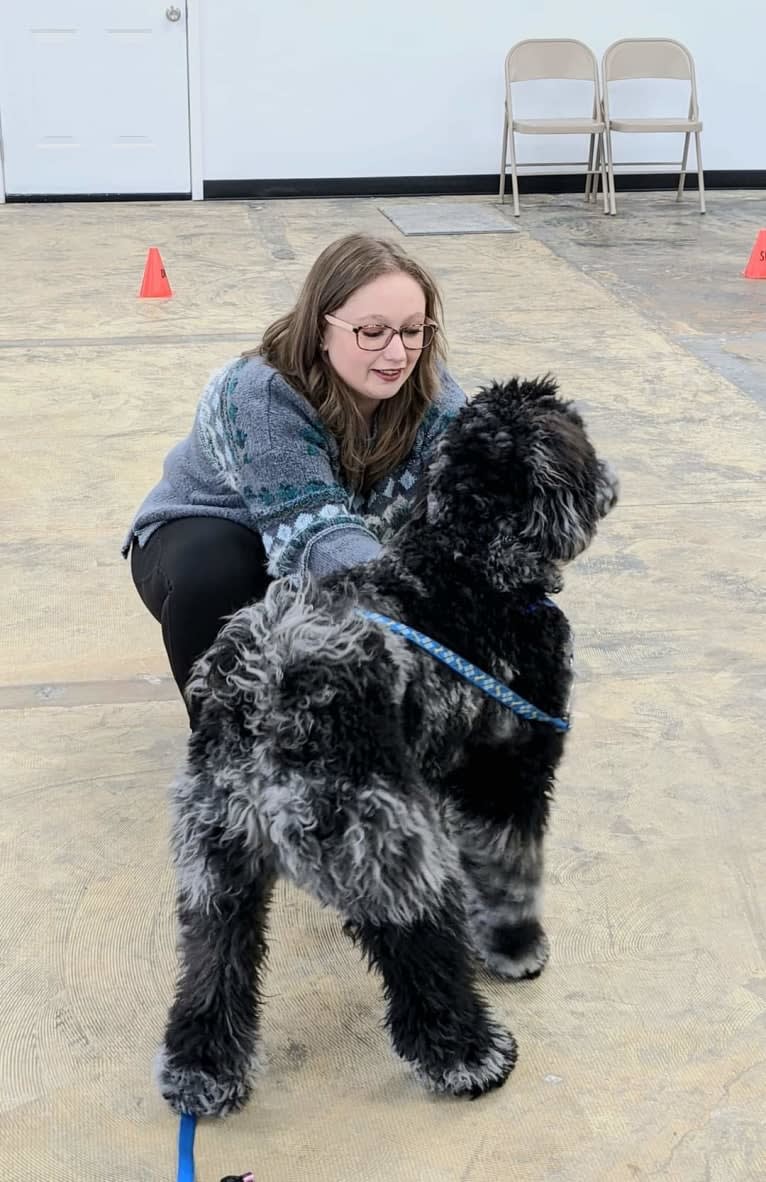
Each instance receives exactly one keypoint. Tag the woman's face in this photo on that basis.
(393, 301)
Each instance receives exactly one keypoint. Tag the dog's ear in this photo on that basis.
(571, 490)
(509, 560)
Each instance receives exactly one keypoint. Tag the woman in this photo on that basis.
(304, 453)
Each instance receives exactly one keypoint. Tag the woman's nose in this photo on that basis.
(395, 350)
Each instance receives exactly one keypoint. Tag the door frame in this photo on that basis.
(194, 86)
(2, 173)
(194, 76)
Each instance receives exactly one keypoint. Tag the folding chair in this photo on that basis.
(538, 59)
(649, 58)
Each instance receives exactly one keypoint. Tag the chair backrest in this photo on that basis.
(648, 57)
(540, 60)
(561, 59)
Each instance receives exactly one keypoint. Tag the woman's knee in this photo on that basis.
(207, 565)
(194, 573)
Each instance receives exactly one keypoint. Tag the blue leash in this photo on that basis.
(186, 1131)
(490, 685)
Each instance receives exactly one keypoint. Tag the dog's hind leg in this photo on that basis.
(208, 1059)
(436, 1019)
(380, 855)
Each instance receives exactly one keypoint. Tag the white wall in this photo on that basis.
(329, 88)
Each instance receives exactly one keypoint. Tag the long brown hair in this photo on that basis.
(292, 345)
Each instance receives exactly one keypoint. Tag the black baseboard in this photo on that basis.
(478, 184)
(20, 198)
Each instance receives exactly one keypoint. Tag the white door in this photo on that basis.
(94, 96)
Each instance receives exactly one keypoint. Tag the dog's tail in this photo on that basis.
(283, 660)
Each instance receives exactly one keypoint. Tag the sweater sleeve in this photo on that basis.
(284, 465)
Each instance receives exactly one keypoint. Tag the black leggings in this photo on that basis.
(190, 574)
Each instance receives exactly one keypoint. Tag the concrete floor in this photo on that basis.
(643, 1046)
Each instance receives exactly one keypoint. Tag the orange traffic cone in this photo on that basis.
(756, 267)
(154, 284)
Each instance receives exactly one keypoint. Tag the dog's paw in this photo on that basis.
(517, 953)
(197, 1092)
(476, 1071)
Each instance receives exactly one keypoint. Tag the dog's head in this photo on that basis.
(516, 475)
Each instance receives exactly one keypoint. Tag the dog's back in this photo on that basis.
(306, 676)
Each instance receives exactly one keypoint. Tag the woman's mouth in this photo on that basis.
(388, 375)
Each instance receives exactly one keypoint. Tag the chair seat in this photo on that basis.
(655, 125)
(583, 126)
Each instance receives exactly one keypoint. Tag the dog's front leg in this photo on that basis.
(503, 866)
(504, 892)
(208, 1059)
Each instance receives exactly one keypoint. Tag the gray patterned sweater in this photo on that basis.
(258, 454)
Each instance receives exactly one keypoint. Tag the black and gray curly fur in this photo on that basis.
(334, 753)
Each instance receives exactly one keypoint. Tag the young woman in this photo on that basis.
(304, 452)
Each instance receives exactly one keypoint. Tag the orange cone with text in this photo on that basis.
(154, 284)
(756, 267)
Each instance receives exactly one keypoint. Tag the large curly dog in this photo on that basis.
(335, 752)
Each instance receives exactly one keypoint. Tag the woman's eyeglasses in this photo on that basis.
(372, 337)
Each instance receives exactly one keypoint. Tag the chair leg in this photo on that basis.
(700, 171)
(610, 171)
(682, 177)
(592, 165)
(514, 176)
(603, 172)
(503, 158)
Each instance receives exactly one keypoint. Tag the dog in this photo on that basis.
(335, 753)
